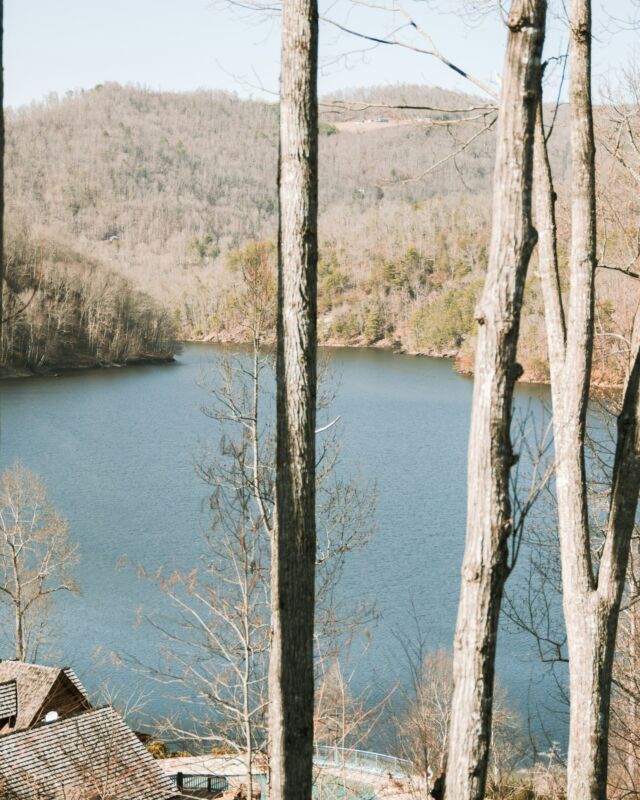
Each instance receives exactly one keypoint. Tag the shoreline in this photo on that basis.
(53, 370)
(393, 346)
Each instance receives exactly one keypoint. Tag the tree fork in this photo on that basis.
(591, 600)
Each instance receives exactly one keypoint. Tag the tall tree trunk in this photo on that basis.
(632, 763)
(2, 260)
(291, 673)
(489, 525)
(19, 608)
(592, 604)
(591, 599)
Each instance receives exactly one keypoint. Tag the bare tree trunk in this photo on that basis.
(291, 673)
(249, 754)
(18, 606)
(2, 264)
(592, 604)
(632, 762)
(19, 632)
(485, 567)
(591, 601)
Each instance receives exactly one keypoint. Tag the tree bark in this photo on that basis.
(18, 606)
(291, 674)
(2, 259)
(591, 598)
(19, 631)
(489, 525)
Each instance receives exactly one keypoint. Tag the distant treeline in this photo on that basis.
(65, 310)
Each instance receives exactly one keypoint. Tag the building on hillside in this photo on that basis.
(28, 692)
(91, 755)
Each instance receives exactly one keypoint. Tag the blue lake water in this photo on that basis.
(117, 450)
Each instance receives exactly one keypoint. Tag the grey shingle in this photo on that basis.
(8, 700)
(75, 680)
(91, 756)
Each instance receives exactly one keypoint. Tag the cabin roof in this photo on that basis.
(84, 757)
(34, 684)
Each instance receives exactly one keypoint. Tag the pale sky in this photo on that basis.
(61, 45)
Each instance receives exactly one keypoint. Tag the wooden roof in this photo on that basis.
(91, 756)
(8, 700)
(75, 680)
(36, 684)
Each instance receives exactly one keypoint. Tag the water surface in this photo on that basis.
(117, 451)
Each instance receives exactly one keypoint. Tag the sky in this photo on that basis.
(188, 44)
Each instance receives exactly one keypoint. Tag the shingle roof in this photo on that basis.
(75, 680)
(8, 700)
(35, 684)
(91, 756)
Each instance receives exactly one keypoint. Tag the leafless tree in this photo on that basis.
(215, 637)
(215, 641)
(422, 720)
(489, 517)
(36, 558)
(423, 728)
(537, 609)
(591, 597)
(344, 721)
(291, 671)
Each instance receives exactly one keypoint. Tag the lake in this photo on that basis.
(117, 450)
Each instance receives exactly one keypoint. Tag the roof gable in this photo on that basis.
(36, 684)
(71, 675)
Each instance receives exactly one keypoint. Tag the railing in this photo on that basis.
(214, 784)
(324, 756)
(361, 760)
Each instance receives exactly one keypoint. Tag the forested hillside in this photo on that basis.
(167, 189)
(65, 310)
